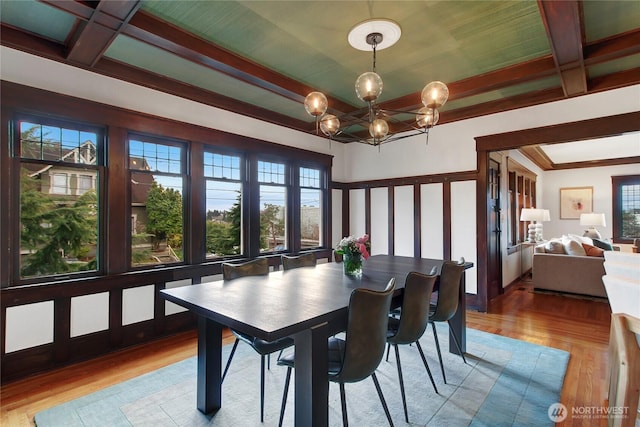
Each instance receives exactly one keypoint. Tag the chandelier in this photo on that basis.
(376, 34)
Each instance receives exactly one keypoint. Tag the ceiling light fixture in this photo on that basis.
(376, 34)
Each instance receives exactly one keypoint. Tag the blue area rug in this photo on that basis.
(505, 382)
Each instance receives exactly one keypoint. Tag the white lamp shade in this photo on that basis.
(532, 214)
(593, 219)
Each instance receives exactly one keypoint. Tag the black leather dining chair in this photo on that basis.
(447, 304)
(295, 261)
(357, 356)
(257, 267)
(413, 321)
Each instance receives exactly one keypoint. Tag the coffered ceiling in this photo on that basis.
(261, 58)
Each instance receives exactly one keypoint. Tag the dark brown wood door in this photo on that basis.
(494, 267)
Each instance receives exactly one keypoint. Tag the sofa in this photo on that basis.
(571, 264)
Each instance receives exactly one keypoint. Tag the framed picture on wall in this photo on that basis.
(575, 201)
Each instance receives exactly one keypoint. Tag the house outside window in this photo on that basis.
(626, 208)
(157, 177)
(310, 208)
(272, 179)
(59, 232)
(223, 185)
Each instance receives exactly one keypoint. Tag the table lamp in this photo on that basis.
(537, 215)
(591, 220)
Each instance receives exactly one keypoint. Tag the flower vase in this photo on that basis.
(352, 264)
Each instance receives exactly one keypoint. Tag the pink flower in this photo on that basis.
(363, 249)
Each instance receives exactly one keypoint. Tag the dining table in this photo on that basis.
(309, 304)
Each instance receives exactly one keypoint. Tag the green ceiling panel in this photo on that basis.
(621, 16)
(138, 54)
(308, 40)
(495, 95)
(617, 65)
(38, 18)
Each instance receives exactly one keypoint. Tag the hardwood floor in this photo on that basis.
(578, 326)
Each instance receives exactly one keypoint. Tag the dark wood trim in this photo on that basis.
(446, 222)
(417, 221)
(564, 27)
(391, 229)
(346, 211)
(409, 180)
(566, 132)
(482, 231)
(367, 211)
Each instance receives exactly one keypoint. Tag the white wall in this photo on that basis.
(598, 178)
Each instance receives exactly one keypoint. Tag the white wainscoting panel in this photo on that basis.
(431, 220)
(463, 229)
(403, 220)
(169, 307)
(29, 325)
(336, 217)
(89, 313)
(357, 213)
(379, 221)
(137, 304)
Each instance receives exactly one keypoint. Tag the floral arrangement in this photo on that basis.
(354, 246)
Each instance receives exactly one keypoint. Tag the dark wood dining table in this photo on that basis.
(309, 304)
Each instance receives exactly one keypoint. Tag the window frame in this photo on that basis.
(617, 182)
(184, 174)
(100, 188)
(244, 188)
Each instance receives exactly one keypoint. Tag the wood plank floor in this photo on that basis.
(578, 326)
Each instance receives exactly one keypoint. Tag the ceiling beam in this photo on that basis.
(563, 25)
(614, 47)
(93, 35)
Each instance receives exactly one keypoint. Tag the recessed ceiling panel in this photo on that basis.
(614, 147)
(37, 18)
(138, 54)
(621, 16)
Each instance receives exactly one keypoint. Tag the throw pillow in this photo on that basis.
(554, 247)
(602, 244)
(574, 248)
(592, 250)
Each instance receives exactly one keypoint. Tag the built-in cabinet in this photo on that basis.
(522, 194)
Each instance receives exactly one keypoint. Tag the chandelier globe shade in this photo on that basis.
(369, 86)
(427, 117)
(316, 104)
(329, 125)
(378, 129)
(435, 94)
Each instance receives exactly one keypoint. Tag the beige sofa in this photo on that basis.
(569, 273)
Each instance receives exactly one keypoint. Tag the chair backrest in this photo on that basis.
(305, 260)
(366, 334)
(416, 301)
(256, 267)
(448, 291)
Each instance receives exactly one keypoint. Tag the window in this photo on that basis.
(157, 182)
(85, 183)
(310, 208)
(58, 224)
(59, 183)
(626, 208)
(273, 206)
(223, 184)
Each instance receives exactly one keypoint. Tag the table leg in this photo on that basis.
(312, 386)
(459, 320)
(209, 389)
